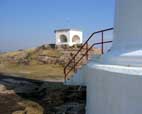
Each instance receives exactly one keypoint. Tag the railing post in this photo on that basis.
(74, 65)
(74, 62)
(65, 73)
(86, 51)
(102, 43)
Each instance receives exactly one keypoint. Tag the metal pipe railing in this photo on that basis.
(73, 60)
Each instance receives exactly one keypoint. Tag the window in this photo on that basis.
(76, 39)
(63, 39)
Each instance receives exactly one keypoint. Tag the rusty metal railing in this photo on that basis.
(68, 68)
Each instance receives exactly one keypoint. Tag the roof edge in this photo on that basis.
(60, 30)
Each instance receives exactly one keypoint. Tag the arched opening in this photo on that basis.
(63, 39)
(76, 39)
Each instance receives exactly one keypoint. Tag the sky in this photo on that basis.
(31, 23)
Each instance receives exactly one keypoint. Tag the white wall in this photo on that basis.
(69, 35)
(127, 42)
(78, 33)
(111, 92)
(58, 34)
(128, 25)
(78, 78)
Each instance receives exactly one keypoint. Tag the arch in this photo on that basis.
(63, 38)
(76, 39)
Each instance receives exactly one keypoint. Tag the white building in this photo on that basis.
(114, 81)
(68, 37)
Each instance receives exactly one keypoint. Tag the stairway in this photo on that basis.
(73, 74)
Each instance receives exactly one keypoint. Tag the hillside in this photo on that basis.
(24, 88)
(45, 62)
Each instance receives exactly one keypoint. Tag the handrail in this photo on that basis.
(87, 50)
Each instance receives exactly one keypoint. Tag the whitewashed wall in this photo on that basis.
(127, 42)
(58, 34)
(78, 33)
(114, 90)
(69, 35)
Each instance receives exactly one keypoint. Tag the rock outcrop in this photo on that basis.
(47, 54)
(23, 96)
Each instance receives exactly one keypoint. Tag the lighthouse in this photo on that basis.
(127, 44)
(114, 81)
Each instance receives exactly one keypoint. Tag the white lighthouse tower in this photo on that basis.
(114, 83)
(127, 43)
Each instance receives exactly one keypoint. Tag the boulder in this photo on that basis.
(19, 112)
(2, 88)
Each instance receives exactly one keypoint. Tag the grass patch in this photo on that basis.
(51, 53)
(35, 71)
(12, 54)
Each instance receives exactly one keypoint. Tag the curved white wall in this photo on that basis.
(111, 92)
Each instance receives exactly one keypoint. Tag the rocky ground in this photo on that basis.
(46, 54)
(25, 96)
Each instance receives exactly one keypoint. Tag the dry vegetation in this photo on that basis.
(41, 72)
(26, 63)
(44, 62)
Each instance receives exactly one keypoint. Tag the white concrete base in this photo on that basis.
(133, 58)
(78, 78)
(113, 89)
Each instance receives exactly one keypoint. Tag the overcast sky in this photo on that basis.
(30, 23)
